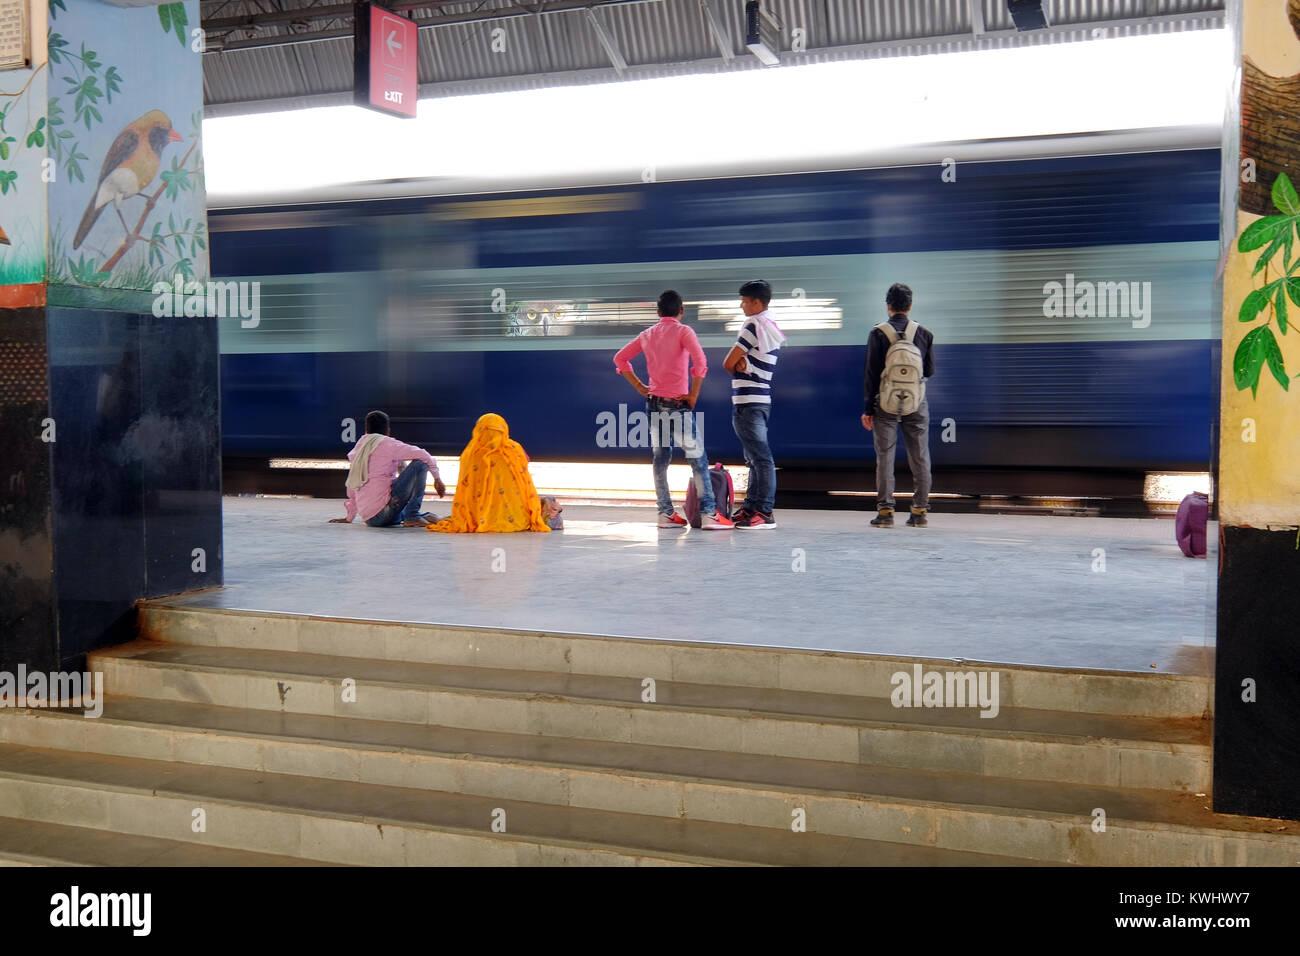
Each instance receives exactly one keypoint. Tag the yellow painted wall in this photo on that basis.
(1259, 481)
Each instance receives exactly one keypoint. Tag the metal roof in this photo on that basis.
(283, 54)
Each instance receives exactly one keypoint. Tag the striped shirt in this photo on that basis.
(754, 385)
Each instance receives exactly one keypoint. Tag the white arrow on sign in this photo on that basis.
(393, 45)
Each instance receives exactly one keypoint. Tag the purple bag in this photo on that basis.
(723, 494)
(1189, 526)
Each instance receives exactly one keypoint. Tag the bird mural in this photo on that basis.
(131, 165)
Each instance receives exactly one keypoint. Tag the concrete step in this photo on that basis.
(1045, 822)
(774, 668)
(1018, 743)
(30, 843)
(343, 821)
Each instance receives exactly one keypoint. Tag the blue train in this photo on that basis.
(1070, 297)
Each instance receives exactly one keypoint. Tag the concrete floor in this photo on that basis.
(1006, 589)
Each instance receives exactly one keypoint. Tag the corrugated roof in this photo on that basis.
(553, 42)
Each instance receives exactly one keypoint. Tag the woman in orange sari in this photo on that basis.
(494, 491)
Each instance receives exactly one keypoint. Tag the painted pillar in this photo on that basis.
(110, 472)
(1257, 661)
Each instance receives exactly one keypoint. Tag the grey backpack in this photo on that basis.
(902, 381)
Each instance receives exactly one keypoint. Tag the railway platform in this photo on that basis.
(1069, 592)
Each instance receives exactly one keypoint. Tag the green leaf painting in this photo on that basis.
(1260, 348)
(37, 136)
(173, 19)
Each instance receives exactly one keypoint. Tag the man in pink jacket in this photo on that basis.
(375, 489)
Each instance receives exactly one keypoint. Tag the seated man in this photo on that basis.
(376, 491)
(494, 491)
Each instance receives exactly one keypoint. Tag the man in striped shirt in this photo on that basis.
(752, 362)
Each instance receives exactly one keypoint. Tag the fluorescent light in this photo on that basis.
(1172, 487)
(310, 463)
(762, 33)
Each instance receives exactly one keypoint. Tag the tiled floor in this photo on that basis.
(1009, 589)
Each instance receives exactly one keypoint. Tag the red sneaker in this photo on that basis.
(673, 520)
(757, 520)
(717, 522)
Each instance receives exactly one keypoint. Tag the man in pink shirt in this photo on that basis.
(672, 355)
(375, 489)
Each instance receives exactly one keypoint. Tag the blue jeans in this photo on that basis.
(750, 422)
(673, 425)
(405, 497)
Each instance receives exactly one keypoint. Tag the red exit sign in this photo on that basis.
(385, 61)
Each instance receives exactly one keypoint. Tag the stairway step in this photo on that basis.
(348, 822)
(32, 843)
(1046, 821)
(793, 669)
(1105, 749)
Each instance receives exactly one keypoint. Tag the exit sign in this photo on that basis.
(385, 60)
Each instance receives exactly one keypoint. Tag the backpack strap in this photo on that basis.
(891, 333)
(909, 333)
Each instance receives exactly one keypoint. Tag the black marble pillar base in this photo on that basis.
(27, 603)
(1256, 744)
(126, 502)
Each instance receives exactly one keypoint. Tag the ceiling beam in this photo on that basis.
(607, 43)
(224, 43)
(346, 10)
(717, 27)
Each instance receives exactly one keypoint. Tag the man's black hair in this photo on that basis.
(377, 423)
(670, 304)
(898, 298)
(758, 289)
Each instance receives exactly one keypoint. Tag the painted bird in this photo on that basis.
(130, 166)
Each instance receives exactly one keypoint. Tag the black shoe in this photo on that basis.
(741, 514)
(883, 520)
(917, 520)
(756, 519)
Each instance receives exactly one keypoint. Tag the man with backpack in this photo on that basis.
(900, 357)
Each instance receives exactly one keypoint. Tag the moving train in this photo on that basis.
(1068, 282)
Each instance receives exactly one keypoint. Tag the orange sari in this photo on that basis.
(494, 491)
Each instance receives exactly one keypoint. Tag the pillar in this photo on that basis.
(1257, 660)
(109, 404)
